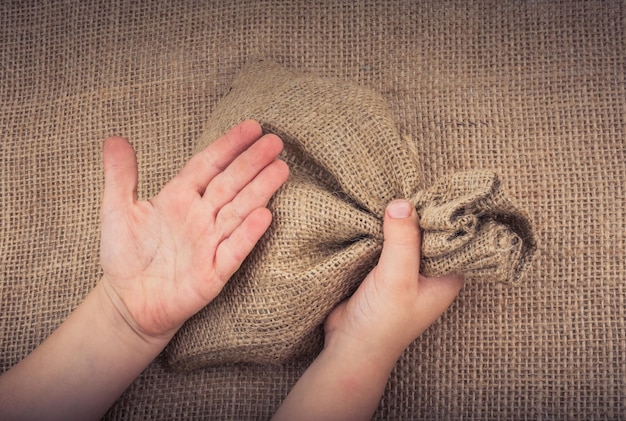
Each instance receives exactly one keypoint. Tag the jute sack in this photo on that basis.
(347, 162)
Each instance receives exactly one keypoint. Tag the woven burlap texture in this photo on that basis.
(347, 162)
(535, 89)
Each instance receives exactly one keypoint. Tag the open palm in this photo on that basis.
(166, 258)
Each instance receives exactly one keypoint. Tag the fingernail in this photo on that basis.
(399, 209)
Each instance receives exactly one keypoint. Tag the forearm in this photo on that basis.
(339, 385)
(80, 370)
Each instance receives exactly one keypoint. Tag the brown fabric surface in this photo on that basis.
(536, 89)
(346, 161)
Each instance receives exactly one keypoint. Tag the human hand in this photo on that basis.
(366, 334)
(394, 304)
(166, 258)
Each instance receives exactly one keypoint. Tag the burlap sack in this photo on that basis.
(347, 162)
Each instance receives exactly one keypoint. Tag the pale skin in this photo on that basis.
(166, 258)
(365, 335)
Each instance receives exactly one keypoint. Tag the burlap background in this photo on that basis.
(535, 89)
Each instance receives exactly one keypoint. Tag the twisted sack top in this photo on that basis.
(347, 162)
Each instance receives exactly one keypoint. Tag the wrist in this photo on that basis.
(345, 382)
(121, 325)
(375, 355)
(82, 368)
(380, 342)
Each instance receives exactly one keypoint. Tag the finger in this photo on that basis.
(254, 195)
(226, 185)
(120, 173)
(212, 160)
(400, 257)
(233, 250)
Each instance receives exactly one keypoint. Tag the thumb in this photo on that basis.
(400, 257)
(399, 265)
(120, 173)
